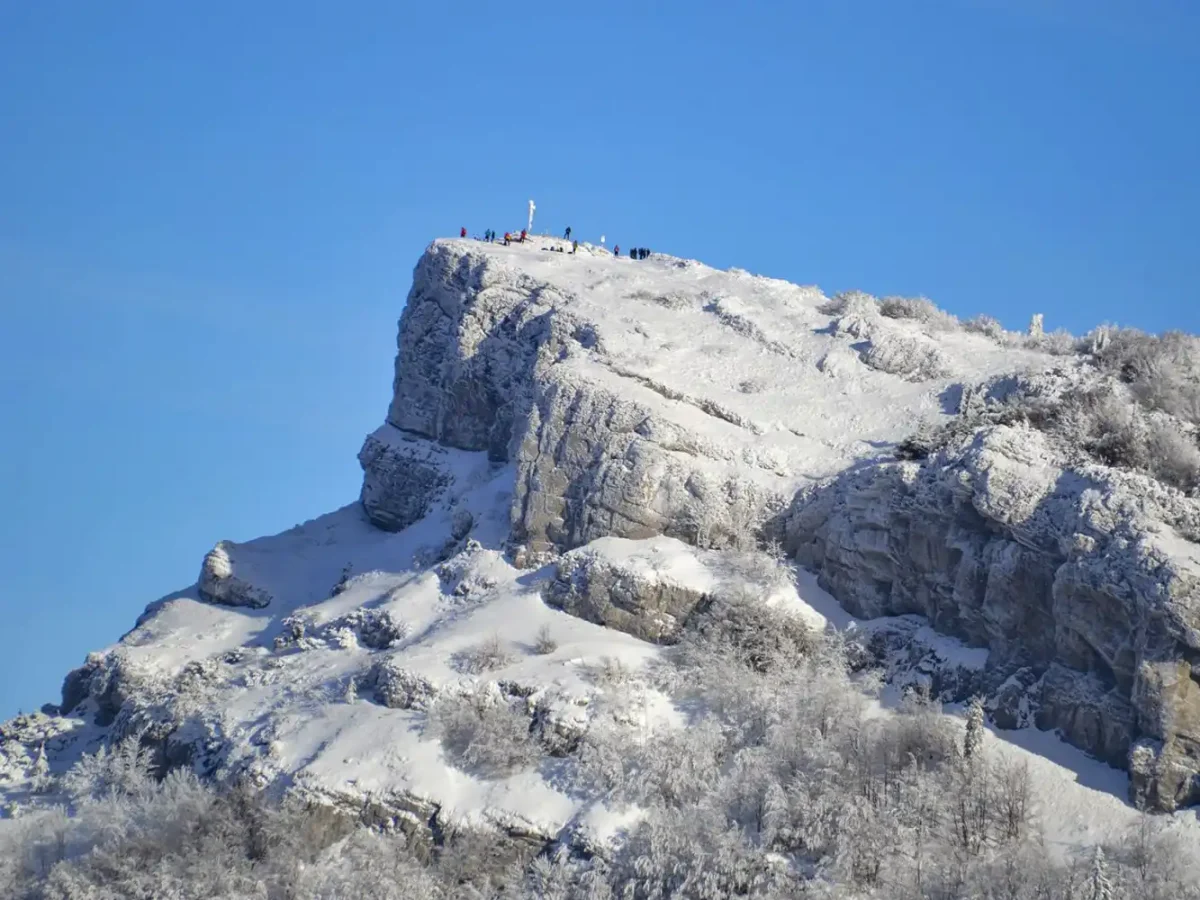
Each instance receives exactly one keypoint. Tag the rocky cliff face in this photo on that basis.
(493, 360)
(1075, 579)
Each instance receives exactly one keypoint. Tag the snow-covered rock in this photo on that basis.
(646, 588)
(219, 581)
(403, 477)
(650, 588)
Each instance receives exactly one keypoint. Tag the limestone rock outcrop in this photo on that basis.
(639, 594)
(219, 581)
(1077, 576)
(403, 478)
(1077, 579)
(492, 360)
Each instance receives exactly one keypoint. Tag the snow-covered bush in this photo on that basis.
(1174, 456)
(544, 642)
(1113, 429)
(1163, 372)
(399, 688)
(921, 735)
(986, 325)
(375, 629)
(487, 655)
(848, 302)
(1058, 342)
(1099, 417)
(366, 866)
(693, 854)
(909, 356)
(480, 864)
(856, 314)
(741, 627)
(483, 733)
(918, 309)
(672, 767)
(610, 672)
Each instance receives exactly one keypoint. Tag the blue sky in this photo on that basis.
(209, 218)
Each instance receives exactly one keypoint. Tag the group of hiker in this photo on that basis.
(490, 236)
(509, 237)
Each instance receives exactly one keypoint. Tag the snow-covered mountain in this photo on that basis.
(581, 453)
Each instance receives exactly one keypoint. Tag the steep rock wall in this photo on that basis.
(490, 359)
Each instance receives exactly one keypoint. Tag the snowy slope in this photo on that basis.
(737, 378)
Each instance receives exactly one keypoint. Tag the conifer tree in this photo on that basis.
(1099, 887)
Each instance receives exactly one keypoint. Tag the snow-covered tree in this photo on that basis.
(123, 770)
(1012, 798)
(973, 739)
(1098, 885)
(777, 814)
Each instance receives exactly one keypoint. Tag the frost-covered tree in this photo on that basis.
(1098, 885)
(970, 804)
(973, 739)
(777, 814)
(1012, 798)
(123, 770)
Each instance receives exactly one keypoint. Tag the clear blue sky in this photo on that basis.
(208, 220)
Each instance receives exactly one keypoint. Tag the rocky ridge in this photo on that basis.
(596, 446)
(1073, 576)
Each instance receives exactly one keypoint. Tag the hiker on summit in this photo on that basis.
(522, 235)
(616, 250)
(574, 246)
(463, 233)
(567, 233)
(507, 238)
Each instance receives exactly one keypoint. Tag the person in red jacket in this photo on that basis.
(522, 235)
(463, 233)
